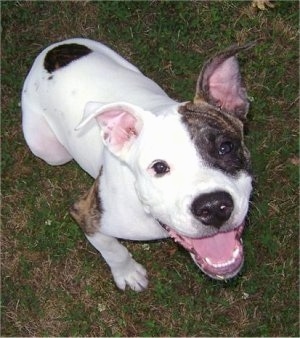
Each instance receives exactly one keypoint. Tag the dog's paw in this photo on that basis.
(132, 274)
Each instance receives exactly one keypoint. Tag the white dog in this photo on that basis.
(166, 168)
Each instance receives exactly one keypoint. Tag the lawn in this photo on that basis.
(53, 281)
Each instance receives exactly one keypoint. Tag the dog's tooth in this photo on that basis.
(235, 252)
(208, 261)
(220, 265)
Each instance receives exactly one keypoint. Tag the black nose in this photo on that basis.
(213, 208)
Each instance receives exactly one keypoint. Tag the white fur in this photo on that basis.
(132, 198)
(103, 77)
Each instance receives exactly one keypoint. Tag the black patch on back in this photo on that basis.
(209, 129)
(62, 55)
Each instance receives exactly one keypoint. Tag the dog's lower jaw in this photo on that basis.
(229, 267)
(220, 256)
(220, 274)
(221, 271)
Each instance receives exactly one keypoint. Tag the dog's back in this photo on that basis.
(63, 79)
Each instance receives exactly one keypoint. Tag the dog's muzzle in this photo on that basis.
(220, 255)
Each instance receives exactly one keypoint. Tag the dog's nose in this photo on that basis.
(213, 208)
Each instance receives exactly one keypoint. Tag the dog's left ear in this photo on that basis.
(120, 124)
(220, 83)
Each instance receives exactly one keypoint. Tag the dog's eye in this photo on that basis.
(225, 148)
(160, 168)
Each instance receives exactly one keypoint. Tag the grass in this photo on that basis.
(53, 282)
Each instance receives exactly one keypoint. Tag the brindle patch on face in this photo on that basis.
(62, 55)
(87, 210)
(210, 130)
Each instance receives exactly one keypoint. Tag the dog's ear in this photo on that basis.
(120, 124)
(220, 83)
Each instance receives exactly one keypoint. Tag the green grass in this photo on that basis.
(53, 282)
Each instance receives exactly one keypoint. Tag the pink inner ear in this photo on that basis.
(118, 127)
(225, 85)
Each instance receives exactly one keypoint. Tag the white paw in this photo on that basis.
(132, 274)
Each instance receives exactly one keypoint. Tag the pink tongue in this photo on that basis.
(218, 248)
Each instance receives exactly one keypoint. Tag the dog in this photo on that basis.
(162, 168)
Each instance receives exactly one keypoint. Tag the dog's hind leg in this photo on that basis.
(41, 139)
(125, 270)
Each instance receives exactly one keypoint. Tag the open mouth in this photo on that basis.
(219, 256)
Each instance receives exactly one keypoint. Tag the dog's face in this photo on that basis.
(197, 186)
(191, 166)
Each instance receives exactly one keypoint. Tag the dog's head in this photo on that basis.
(190, 165)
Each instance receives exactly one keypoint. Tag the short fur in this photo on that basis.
(87, 210)
(167, 168)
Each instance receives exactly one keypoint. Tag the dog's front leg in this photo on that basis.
(125, 270)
